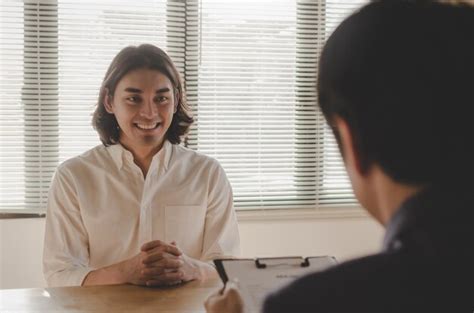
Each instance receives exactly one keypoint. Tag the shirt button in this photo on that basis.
(397, 244)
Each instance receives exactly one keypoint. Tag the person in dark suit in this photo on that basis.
(396, 85)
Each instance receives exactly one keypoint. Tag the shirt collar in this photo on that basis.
(432, 205)
(116, 152)
(403, 219)
(164, 155)
(120, 155)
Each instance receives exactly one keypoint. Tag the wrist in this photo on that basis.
(208, 271)
(201, 270)
(109, 275)
(192, 269)
(121, 272)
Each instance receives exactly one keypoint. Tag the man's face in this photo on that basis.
(143, 104)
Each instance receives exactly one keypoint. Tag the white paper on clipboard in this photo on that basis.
(258, 277)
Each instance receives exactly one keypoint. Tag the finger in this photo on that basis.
(166, 265)
(234, 294)
(230, 291)
(233, 297)
(166, 279)
(150, 274)
(173, 249)
(212, 301)
(218, 303)
(153, 274)
(157, 257)
(151, 245)
(229, 301)
(153, 258)
(158, 246)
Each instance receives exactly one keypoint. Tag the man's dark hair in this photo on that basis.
(401, 74)
(132, 58)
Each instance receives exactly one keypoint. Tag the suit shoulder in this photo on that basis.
(339, 288)
(399, 280)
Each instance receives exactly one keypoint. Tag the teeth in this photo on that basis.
(147, 126)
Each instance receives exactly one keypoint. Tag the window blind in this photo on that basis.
(255, 101)
(249, 68)
(334, 187)
(54, 55)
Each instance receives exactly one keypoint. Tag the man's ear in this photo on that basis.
(349, 151)
(108, 102)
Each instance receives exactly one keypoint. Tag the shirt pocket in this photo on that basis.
(185, 224)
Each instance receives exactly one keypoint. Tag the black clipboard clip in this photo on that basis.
(259, 263)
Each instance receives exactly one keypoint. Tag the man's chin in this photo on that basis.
(152, 141)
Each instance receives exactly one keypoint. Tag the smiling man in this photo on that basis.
(140, 208)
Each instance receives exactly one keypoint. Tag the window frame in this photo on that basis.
(189, 65)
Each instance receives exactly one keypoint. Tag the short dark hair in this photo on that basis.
(138, 57)
(400, 73)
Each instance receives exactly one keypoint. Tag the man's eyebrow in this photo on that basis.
(133, 90)
(162, 90)
(136, 90)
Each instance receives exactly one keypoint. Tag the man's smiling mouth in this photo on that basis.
(147, 126)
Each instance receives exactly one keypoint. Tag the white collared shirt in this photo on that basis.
(101, 210)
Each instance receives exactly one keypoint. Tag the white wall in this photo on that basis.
(21, 249)
(21, 243)
(343, 238)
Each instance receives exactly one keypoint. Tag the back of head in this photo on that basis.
(401, 73)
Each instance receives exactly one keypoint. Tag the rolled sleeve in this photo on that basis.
(66, 253)
(221, 235)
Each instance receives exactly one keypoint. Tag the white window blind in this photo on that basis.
(54, 55)
(249, 68)
(255, 101)
(334, 187)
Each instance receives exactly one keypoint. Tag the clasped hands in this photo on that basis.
(159, 263)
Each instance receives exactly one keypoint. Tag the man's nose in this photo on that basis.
(149, 109)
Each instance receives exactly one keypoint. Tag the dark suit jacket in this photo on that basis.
(426, 264)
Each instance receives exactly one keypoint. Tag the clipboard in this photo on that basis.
(258, 277)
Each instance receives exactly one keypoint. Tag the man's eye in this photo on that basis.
(133, 99)
(161, 99)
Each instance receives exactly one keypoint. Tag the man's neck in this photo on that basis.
(143, 156)
(389, 195)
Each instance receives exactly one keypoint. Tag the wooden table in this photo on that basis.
(188, 297)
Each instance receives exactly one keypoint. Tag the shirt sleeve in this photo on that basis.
(66, 253)
(221, 233)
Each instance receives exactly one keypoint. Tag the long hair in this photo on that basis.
(138, 57)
